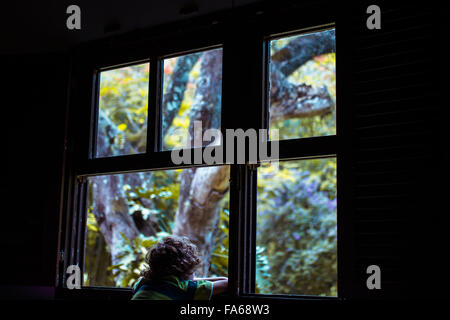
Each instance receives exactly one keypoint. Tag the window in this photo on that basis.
(179, 89)
(296, 201)
(303, 85)
(296, 242)
(271, 227)
(122, 111)
(128, 213)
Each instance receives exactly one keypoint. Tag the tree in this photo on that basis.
(287, 101)
(201, 190)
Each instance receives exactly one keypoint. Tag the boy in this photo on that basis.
(170, 274)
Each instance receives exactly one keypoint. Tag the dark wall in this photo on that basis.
(35, 130)
(397, 151)
(396, 202)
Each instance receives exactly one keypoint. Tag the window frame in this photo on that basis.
(316, 147)
(241, 36)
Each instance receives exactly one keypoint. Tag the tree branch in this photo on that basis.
(176, 88)
(288, 100)
(206, 106)
(302, 49)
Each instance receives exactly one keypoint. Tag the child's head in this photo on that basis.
(173, 255)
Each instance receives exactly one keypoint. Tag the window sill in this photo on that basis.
(111, 293)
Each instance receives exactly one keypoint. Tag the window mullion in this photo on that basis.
(251, 216)
(81, 220)
(266, 85)
(94, 115)
(154, 106)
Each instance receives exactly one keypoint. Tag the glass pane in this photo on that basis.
(128, 213)
(192, 91)
(297, 228)
(122, 114)
(303, 85)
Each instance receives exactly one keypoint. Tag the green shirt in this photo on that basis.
(172, 288)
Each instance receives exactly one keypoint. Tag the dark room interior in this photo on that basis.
(378, 137)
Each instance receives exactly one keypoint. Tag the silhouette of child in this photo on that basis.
(170, 274)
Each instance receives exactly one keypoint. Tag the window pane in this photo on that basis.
(122, 114)
(192, 91)
(303, 85)
(128, 213)
(297, 228)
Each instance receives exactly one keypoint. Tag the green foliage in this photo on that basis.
(97, 256)
(156, 199)
(127, 272)
(263, 276)
(124, 101)
(219, 259)
(297, 228)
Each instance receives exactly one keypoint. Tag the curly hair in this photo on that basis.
(173, 255)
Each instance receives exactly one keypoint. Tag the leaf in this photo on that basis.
(92, 227)
(116, 266)
(122, 127)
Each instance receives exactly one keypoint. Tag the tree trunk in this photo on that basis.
(197, 217)
(109, 206)
(177, 85)
(202, 189)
